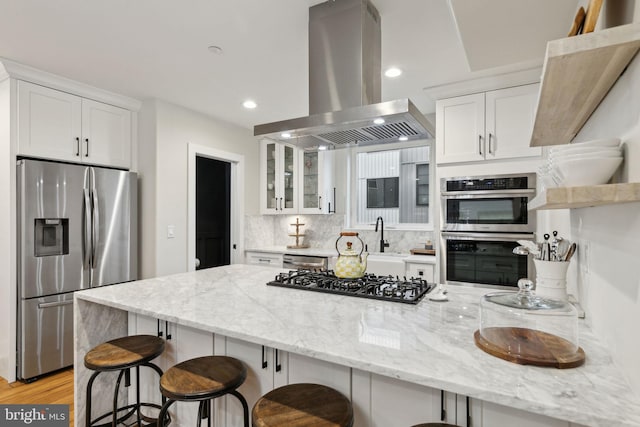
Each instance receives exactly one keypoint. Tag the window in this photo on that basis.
(382, 193)
(391, 181)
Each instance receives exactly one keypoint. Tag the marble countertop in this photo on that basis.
(425, 259)
(430, 343)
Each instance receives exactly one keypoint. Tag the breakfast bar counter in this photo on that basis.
(429, 344)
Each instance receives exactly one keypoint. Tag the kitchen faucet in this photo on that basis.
(383, 243)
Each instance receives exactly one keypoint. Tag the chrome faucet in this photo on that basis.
(383, 243)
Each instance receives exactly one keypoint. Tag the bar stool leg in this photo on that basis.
(87, 422)
(245, 406)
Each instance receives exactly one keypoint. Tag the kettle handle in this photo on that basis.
(350, 234)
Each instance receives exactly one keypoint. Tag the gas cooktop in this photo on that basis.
(388, 288)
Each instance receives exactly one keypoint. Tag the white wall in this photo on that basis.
(175, 127)
(7, 251)
(608, 236)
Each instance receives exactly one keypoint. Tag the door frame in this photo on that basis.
(237, 201)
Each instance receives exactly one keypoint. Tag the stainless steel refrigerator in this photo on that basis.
(77, 229)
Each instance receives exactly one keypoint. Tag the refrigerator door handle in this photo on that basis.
(95, 227)
(54, 304)
(86, 247)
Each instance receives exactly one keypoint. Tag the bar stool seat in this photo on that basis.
(303, 405)
(435, 425)
(203, 379)
(122, 354)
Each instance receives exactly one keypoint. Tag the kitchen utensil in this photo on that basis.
(524, 328)
(593, 10)
(578, 22)
(553, 246)
(563, 248)
(545, 253)
(521, 250)
(532, 247)
(570, 252)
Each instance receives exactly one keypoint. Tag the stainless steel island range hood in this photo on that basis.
(344, 85)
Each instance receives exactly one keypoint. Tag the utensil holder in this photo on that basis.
(551, 279)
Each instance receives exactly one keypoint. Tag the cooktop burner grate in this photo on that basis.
(388, 288)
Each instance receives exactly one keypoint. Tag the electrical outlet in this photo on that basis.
(171, 231)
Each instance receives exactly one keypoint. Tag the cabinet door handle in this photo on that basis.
(77, 146)
(443, 412)
(166, 328)
(159, 331)
(319, 203)
(278, 365)
(86, 153)
(490, 136)
(480, 144)
(468, 414)
(281, 204)
(264, 360)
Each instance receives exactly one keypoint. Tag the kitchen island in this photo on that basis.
(429, 344)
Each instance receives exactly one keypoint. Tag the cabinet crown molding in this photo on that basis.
(9, 68)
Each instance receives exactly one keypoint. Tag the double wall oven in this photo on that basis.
(483, 217)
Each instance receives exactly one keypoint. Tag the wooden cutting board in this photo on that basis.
(593, 11)
(533, 347)
(419, 251)
(578, 22)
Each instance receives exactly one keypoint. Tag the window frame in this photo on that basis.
(352, 173)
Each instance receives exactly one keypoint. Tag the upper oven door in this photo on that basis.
(492, 211)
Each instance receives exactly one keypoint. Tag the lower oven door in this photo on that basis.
(484, 258)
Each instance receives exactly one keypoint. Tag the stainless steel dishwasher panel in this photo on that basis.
(306, 262)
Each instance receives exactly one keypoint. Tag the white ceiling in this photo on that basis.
(158, 48)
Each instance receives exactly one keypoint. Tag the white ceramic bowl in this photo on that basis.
(585, 150)
(554, 160)
(607, 142)
(593, 171)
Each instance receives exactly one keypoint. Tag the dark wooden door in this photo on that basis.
(213, 212)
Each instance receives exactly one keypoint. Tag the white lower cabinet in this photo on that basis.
(181, 343)
(396, 403)
(422, 270)
(269, 368)
(487, 414)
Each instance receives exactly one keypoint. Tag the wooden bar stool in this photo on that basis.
(203, 379)
(122, 354)
(435, 425)
(303, 405)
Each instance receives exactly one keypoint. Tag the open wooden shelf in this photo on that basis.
(590, 195)
(577, 74)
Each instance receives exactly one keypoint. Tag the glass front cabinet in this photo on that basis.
(278, 178)
(315, 182)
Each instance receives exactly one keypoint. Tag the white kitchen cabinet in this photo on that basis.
(486, 126)
(61, 126)
(422, 270)
(316, 183)
(266, 370)
(181, 343)
(396, 403)
(263, 258)
(278, 178)
(487, 414)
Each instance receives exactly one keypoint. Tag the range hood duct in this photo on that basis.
(344, 85)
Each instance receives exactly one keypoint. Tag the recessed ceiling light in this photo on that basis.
(285, 135)
(322, 147)
(379, 121)
(216, 50)
(249, 104)
(403, 138)
(393, 72)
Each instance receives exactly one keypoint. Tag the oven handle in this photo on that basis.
(493, 193)
(488, 236)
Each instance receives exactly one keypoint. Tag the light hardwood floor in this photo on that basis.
(52, 389)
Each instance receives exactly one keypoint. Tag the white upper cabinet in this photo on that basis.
(315, 188)
(60, 126)
(106, 134)
(486, 126)
(278, 178)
